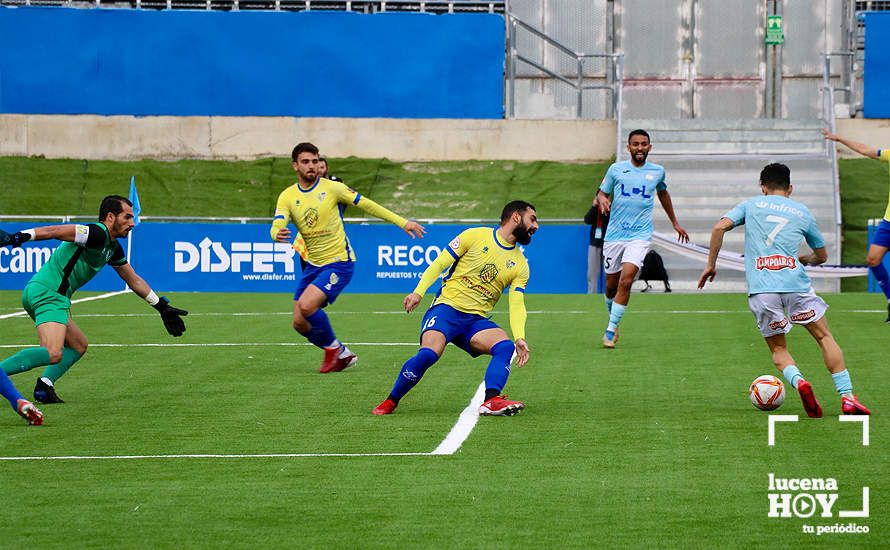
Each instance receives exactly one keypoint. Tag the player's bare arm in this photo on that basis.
(664, 197)
(414, 229)
(710, 271)
(522, 352)
(411, 301)
(283, 235)
(602, 201)
(171, 316)
(861, 148)
(817, 257)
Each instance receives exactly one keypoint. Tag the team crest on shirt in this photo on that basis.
(488, 273)
(108, 254)
(455, 243)
(310, 218)
(322, 195)
(510, 264)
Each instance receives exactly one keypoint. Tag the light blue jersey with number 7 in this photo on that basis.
(775, 226)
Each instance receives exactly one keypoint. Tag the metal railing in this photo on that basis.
(848, 82)
(613, 74)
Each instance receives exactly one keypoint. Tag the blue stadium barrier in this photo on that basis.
(242, 258)
(876, 79)
(306, 64)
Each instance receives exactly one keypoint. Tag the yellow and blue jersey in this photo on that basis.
(317, 212)
(482, 266)
(884, 154)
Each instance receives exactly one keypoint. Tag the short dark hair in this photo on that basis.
(514, 206)
(304, 147)
(639, 132)
(112, 204)
(776, 176)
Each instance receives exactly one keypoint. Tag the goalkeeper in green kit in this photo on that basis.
(47, 297)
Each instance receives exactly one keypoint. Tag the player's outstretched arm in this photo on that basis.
(861, 148)
(378, 211)
(67, 232)
(664, 197)
(171, 316)
(710, 271)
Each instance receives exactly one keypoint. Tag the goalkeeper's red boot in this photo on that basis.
(808, 398)
(499, 405)
(29, 412)
(330, 362)
(851, 405)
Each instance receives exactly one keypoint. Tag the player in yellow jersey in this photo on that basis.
(881, 242)
(481, 263)
(315, 206)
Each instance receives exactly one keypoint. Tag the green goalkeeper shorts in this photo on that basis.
(45, 305)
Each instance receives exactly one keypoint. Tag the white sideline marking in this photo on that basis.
(771, 430)
(79, 300)
(464, 425)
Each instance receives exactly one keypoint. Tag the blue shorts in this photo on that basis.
(457, 326)
(882, 235)
(330, 278)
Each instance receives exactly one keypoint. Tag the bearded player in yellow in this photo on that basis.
(481, 263)
(315, 206)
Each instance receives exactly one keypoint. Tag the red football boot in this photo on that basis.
(29, 412)
(387, 407)
(330, 362)
(499, 405)
(810, 403)
(853, 406)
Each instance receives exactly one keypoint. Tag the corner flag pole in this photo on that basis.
(137, 209)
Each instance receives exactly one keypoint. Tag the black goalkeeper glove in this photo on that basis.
(15, 240)
(172, 317)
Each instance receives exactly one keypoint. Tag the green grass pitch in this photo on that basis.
(653, 444)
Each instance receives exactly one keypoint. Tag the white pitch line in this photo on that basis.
(79, 300)
(266, 455)
(464, 425)
(452, 442)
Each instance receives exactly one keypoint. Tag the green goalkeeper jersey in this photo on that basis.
(73, 265)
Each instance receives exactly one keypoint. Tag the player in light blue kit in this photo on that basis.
(633, 185)
(779, 290)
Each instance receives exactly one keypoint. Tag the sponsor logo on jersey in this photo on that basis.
(803, 316)
(776, 262)
(310, 218)
(776, 325)
(650, 177)
(485, 249)
(455, 243)
(784, 208)
(322, 195)
(488, 273)
(510, 264)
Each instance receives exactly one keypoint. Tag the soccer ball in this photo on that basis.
(767, 392)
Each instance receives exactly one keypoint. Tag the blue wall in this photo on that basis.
(134, 62)
(241, 258)
(876, 78)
